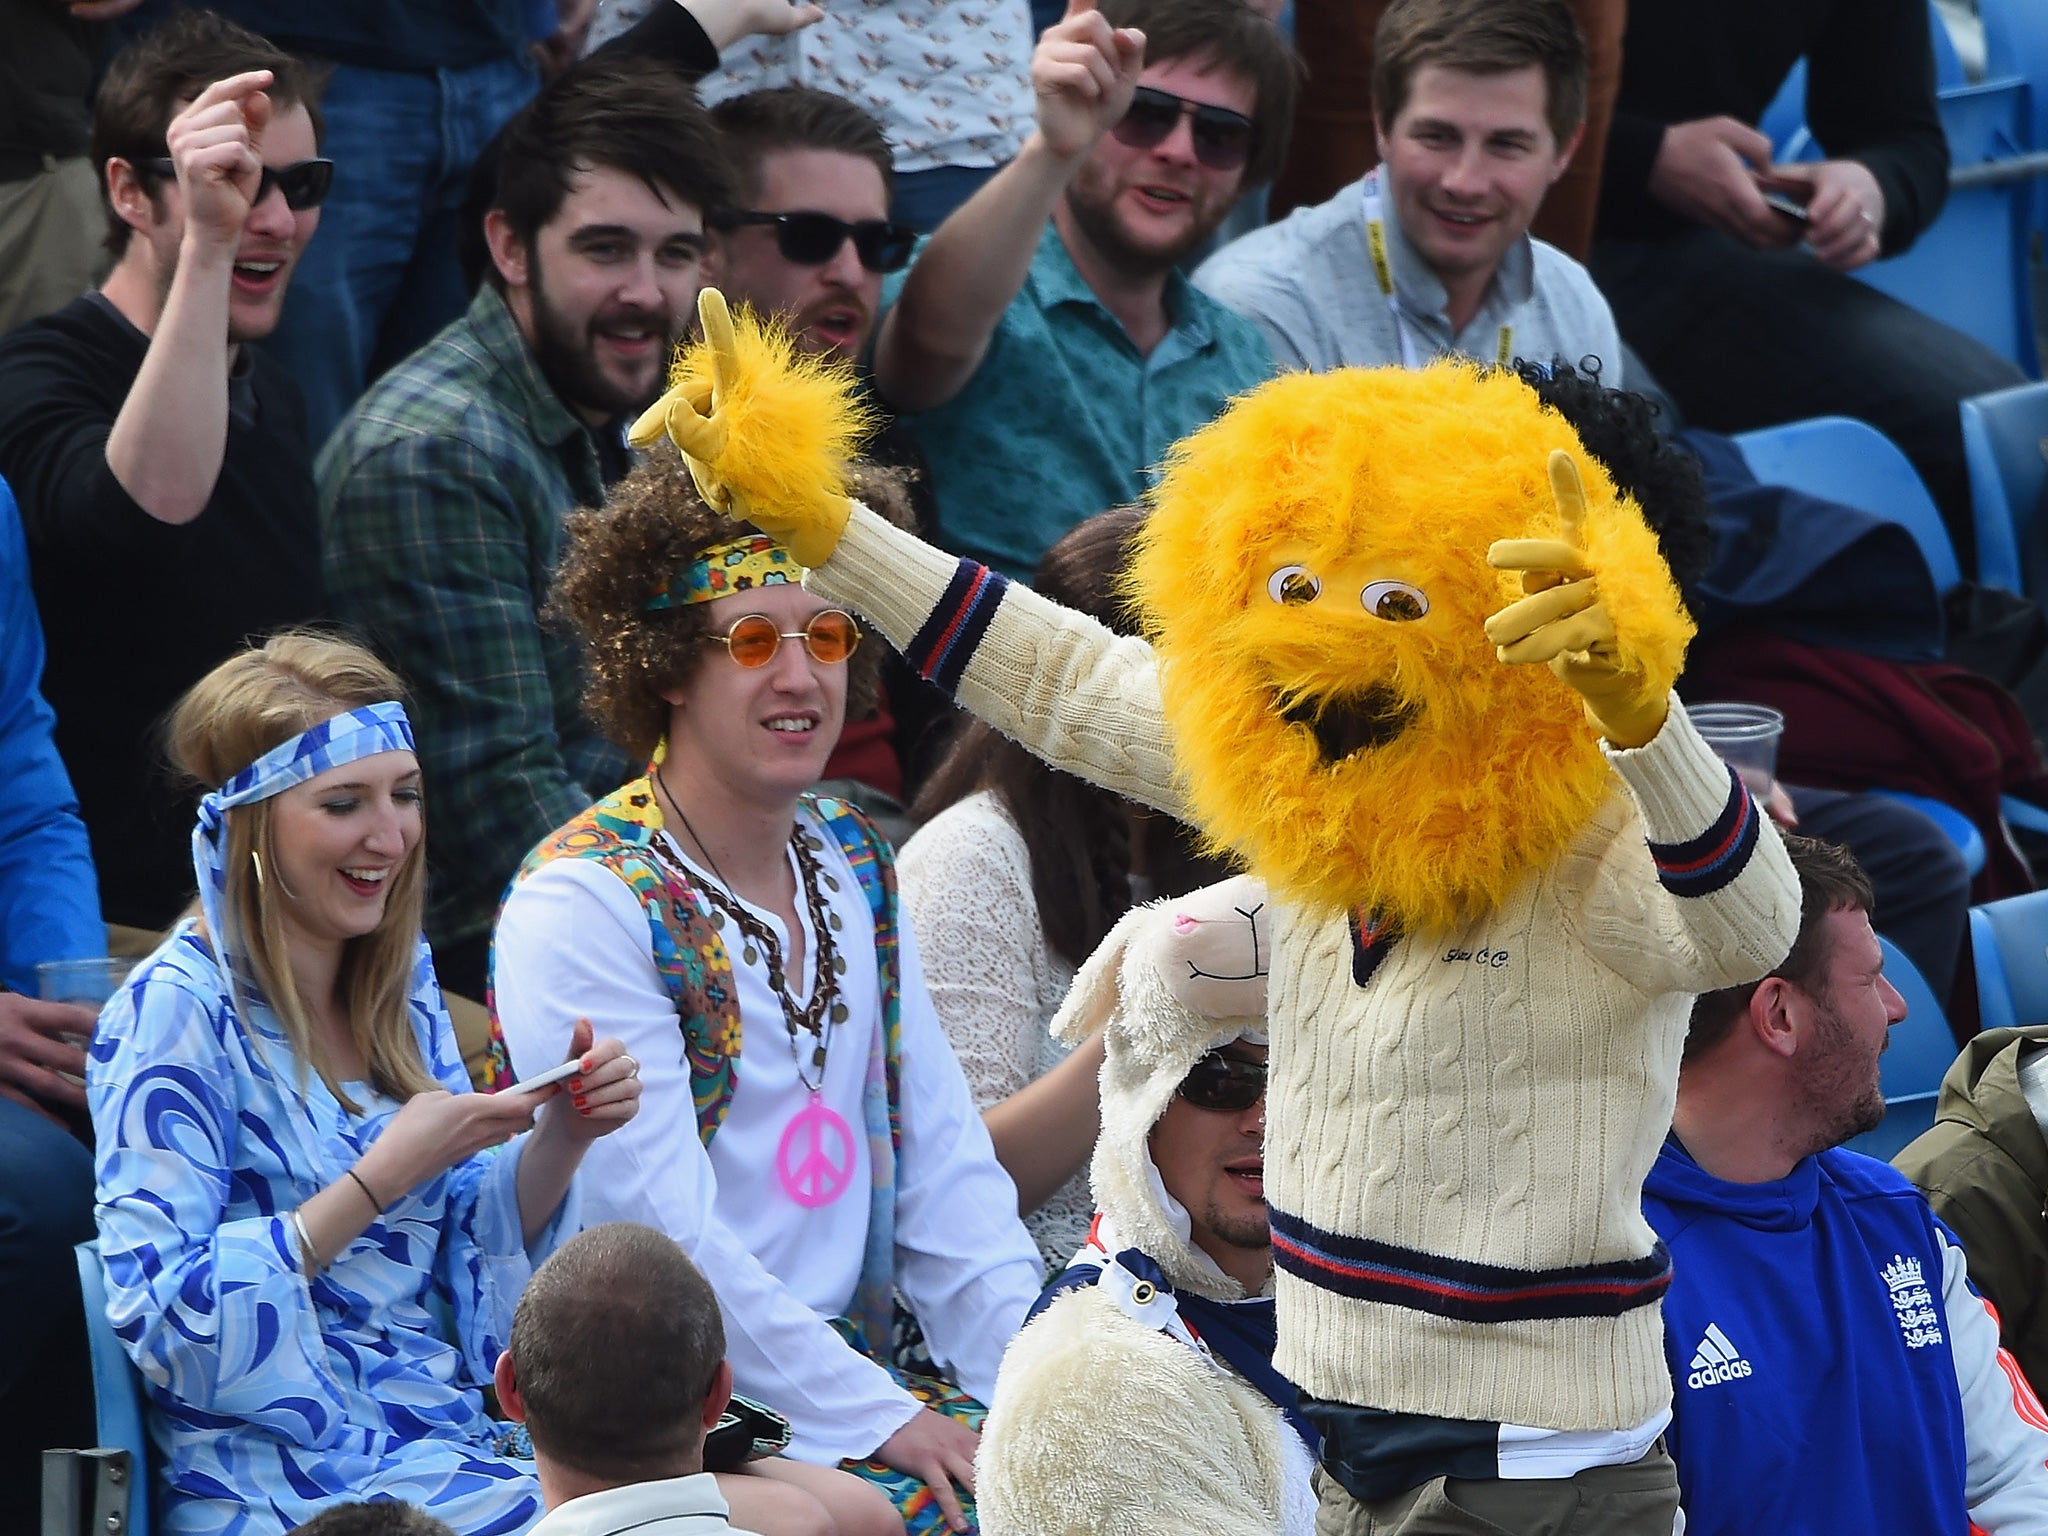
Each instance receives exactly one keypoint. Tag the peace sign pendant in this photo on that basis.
(814, 1160)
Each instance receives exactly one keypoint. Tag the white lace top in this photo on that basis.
(966, 883)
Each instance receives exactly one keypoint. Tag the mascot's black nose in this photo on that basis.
(1344, 726)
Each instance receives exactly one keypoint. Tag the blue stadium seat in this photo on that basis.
(2016, 47)
(1854, 463)
(1957, 827)
(2009, 940)
(116, 1389)
(2005, 439)
(1911, 1069)
(1969, 269)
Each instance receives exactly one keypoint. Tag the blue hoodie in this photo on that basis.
(1814, 1385)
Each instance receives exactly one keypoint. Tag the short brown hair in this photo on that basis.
(1830, 880)
(614, 110)
(380, 1517)
(614, 562)
(615, 1344)
(1237, 38)
(761, 123)
(172, 63)
(1481, 37)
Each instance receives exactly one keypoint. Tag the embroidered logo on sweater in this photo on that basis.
(1912, 1303)
(1716, 1361)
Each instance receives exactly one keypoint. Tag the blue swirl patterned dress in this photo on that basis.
(273, 1397)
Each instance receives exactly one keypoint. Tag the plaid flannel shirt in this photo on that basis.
(441, 502)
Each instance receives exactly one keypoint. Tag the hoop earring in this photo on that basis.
(256, 861)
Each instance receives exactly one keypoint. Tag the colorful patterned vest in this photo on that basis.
(618, 832)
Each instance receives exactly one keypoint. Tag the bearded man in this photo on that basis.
(442, 494)
(1411, 661)
(1045, 323)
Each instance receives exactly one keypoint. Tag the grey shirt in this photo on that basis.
(1307, 282)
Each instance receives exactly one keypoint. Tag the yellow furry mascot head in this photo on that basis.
(1314, 578)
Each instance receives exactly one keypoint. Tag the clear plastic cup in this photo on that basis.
(1745, 737)
(88, 983)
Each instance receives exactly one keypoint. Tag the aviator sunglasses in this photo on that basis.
(1224, 1083)
(1222, 138)
(812, 239)
(753, 640)
(303, 182)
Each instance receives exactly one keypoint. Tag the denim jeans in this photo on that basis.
(380, 275)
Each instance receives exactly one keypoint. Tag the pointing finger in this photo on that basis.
(716, 318)
(1569, 492)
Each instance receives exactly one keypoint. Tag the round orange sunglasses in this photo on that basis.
(753, 640)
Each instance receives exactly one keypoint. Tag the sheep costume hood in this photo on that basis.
(1171, 982)
(1111, 1358)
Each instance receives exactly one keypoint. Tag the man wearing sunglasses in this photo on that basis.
(161, 463)
(1044, 338)
(1157, 1341)
(809, 239)
(1481, 104)
(443, 492)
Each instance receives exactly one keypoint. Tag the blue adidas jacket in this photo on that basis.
(1832, 1369)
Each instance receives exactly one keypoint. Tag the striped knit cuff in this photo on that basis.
(945, 642)
(1702, 865)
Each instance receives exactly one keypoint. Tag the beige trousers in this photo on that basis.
(50, 229)
(1640, 1499)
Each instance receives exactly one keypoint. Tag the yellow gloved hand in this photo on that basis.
(1562, 621)
(765, 430)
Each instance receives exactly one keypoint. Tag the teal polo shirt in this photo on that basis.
(1064, 419)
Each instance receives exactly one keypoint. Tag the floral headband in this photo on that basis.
(741, 565)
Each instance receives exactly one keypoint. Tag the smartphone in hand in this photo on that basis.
(1785, 203)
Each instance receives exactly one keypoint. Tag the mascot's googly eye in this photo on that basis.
(1294, 585)
(1394, 601)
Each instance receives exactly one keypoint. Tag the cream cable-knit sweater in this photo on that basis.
(1455, 1149)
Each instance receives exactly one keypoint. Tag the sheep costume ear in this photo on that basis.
(1168, 984)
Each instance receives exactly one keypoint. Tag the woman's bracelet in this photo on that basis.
(309, 1259)
(375, 1204)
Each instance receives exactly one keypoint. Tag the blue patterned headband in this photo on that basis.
(342, 739)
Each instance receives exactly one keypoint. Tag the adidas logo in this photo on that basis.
(1716, 1360)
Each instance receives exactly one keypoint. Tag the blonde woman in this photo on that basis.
(314, 1233)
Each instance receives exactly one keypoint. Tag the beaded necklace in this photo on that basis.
(815, 1157)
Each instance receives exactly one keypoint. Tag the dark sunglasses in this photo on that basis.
(1224, 1083)
(305, 183)
(1222, 138)
(753, 640)
(812, 239)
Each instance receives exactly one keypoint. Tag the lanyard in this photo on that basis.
(1383, 269)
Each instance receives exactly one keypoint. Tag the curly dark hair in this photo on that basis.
(1079, 836)
(1620, 430)
(614, 560)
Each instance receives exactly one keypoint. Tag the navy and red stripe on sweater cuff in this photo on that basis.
(1710, 861)
(1463, 1290)
(943, 646)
